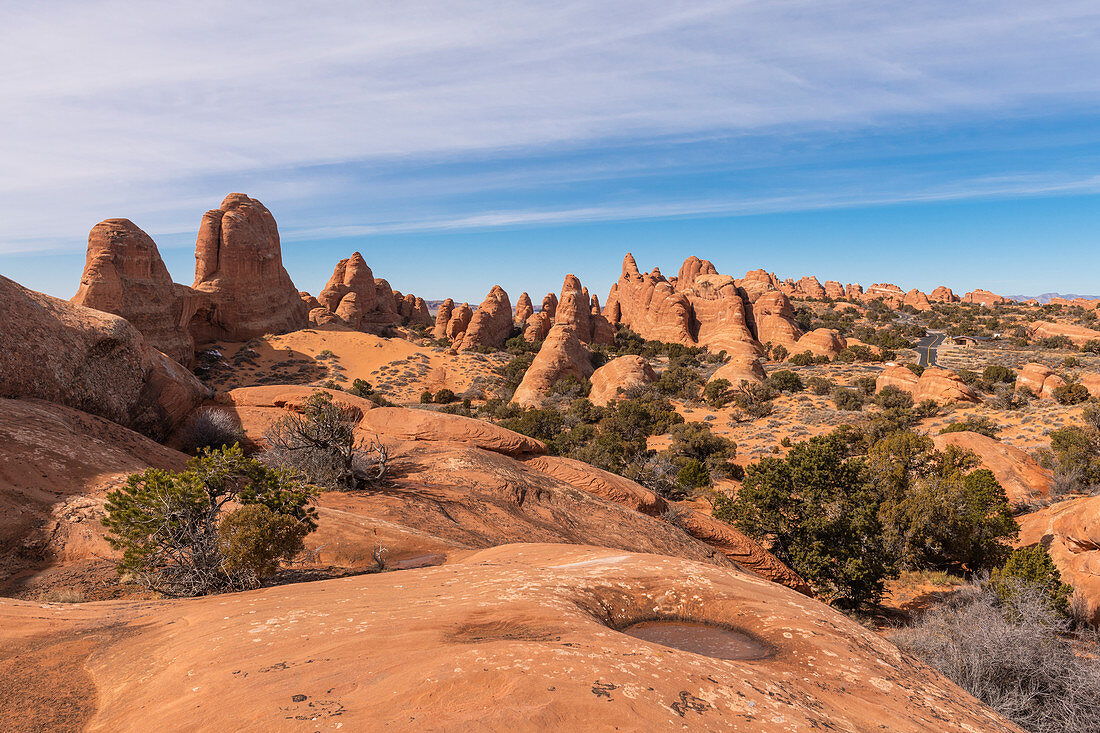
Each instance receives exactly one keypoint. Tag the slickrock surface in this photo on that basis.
(739, 370)
(1039, 379)
(1023, 479)
(124, 275)
(821, 342)
(1079, 335)
(984, 297)
(941, 385)
(89, 360)
(1070, 530)
(943, 294)
(562, 355)
(516, 638)
(619, 375)
(57, 465)
(239, 265)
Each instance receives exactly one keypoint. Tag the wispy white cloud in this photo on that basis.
(130, 108)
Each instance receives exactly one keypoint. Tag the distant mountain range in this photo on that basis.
(1046, 297)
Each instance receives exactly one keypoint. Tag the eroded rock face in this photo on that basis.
(1070, 530)
(355, 298)
(491, 324)
(620, 375)
(562, 355)
(1079, 335)
(1039, 379)
(943, 294)
(1023, 479)
(239, 267)
(853, 291)
(940, 385)
(821, 342)
(125, 275)
(442, 318)
(90, 360)
(918, 300)
(57, 465)
(460, 321)
(834, 290)
(740, 369)
(524, 310)
(553, 610)
(889, 293)
(703, 308)
(984, 297)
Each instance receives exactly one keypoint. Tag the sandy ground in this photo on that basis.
(398, 369)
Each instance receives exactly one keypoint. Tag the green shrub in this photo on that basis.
(820, 385)
(973, 424)
(892, 396)
(717, 393)
(818, 513)
(784, 380)
(178, 535)
(693, 475)
(426, 397)
(1032, 565)
(804, 358)
(445, 397)
(867, 385)
(361, 388)
(1091, 346)
(1057, 342)
(1071, 394)
(848, 399)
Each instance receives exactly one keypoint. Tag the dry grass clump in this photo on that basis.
(210, 428)
(1015, 655)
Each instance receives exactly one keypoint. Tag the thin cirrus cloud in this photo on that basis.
(357, 118)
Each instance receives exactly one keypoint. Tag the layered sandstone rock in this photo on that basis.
(524, 310)
(1023, 479)
(442, 318)
(853, 291)
(773, 321)
(239, 267)
(608, 486)
(1039, 379)
(809, 287)
(943, 294)
(984, 297)
(834, 290)
(821, 342)
(459, 322)
(620, 375)
(538, 326)
(917, 299)
(124, 275)
(1070, 530)
(940, 385)
(740, 369)
(1079, 335)
(889, 293)
(1091, 380)
(521, 638)
(491, 324)
(562, 355)
(90, 360)
(1086, 303)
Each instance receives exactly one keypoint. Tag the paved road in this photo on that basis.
(926, 348)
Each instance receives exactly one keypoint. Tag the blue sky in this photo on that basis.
(458, 147)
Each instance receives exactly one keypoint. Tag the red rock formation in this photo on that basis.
(1070, 530)
(941, 385)
(740, 369)
(1091, 380)
(124, 275)
(809, 287)
(834, 290)
(702, 308)
(984, 297)
(1039, 379)
(460, 320)
(943, 294)
(917, 299)
(853, 291)
(442, 318)
(1086, 303)
(512, 638)
(239, 266)
(889, 293)
(1023, 479)
(562, 355)
(309, 300)
(550, 306)
(821, 342)
(1079, 335)
(491, 324)
(90, 360)
(538, 326)
(524, 310)
(619, 375)
(575, 308)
